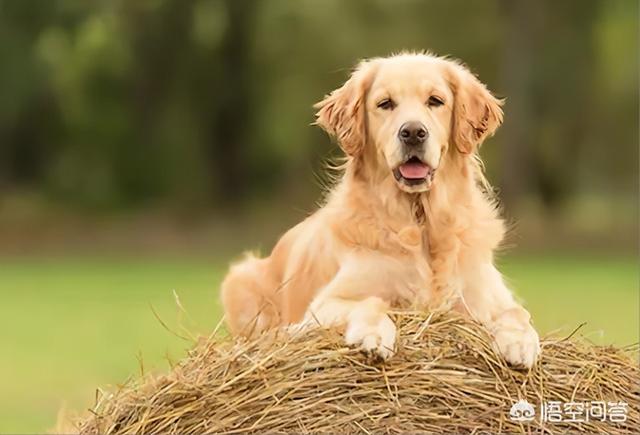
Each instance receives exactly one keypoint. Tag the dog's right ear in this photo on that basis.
(476, 113)
(342, 112)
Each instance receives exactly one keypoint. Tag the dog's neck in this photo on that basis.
(382, 196)
(380, 193)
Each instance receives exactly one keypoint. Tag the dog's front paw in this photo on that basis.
(377, 339)
(520, 346)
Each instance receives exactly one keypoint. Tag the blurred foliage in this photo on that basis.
(116, 104)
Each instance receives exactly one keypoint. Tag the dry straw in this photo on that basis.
(445, 377)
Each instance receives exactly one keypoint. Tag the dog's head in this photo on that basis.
(403, 113)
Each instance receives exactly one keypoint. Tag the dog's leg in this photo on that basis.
(249, 297)
(350, 302)
(491, 302)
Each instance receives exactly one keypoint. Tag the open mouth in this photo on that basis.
(414, 171)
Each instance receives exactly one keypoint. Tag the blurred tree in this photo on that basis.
(517, 71)
(25, 101)
(207, 102)
(231, 125)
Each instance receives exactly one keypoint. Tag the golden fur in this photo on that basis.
(379, 241)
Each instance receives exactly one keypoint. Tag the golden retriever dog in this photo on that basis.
(411, 222)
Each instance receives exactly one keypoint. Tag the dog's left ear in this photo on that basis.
(476, 112)
(342, 112)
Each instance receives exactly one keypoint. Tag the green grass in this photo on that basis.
(69, 325)
(563, 291)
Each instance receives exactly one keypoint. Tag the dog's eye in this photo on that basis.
(387, 104)
(435, 101)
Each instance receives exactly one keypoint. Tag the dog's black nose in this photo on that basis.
(413, 133)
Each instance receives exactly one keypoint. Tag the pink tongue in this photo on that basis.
(413, 170)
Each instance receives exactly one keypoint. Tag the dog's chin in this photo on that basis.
(413, 186)
(414, 176)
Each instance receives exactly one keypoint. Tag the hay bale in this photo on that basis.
(445, 378)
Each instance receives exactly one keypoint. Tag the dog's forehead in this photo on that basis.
(410, 74)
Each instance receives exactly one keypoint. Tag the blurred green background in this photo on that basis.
(145, 144)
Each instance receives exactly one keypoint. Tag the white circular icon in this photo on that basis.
(522, 411)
